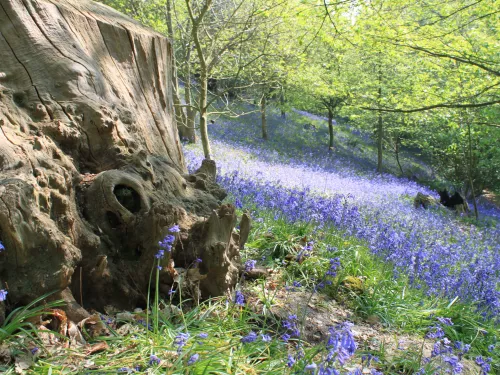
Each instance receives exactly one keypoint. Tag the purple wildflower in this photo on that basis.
(291, 361)
(181, 341)
(311, 367)
(435, 332)
(194, 358)
(250, 265)
(328, 371)
(239, 298)
(445, 321)
(266, 338)
(3, 295)
(2, 247)
(454, 363)
(174, 229)
(484, 364)
(203, 335)
(251, 337)
(154, 360)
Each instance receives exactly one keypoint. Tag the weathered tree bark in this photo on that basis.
(92, 173)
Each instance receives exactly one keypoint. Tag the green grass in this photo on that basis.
(275, 244)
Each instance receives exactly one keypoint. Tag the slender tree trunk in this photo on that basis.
(191, 112)
(263, 116)
(202, 105)
(380, 134)
(203, 113)
(380, 124)
(396, 152)
(282, 102)
(476, 213)
(180, 115)
(330, 128)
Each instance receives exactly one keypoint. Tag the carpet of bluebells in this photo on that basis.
(294, 175)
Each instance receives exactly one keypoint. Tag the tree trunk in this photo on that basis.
(207, 151)
(380, 136)
(191, 112)
(380, 124)
(92, 173)
(282, 102)
(180, 115)
(469, 169)
(396, 152)
(263, 116)
(330, 128)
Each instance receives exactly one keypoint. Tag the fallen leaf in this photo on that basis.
(99, 347)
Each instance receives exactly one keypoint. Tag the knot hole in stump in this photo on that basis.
(128, 198)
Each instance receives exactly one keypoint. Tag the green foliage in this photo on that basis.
(19, 320)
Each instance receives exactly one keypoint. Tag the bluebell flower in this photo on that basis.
(181, 340)
(435, 332)
(154, 360)
(311, 367)
(239, 298)
(266, 338)
(454, 363)
(491, 348)
(328, 371)
(250, 265)
(291, 361)
(445, 321)
(174, 229)
(251, 337)
(203, 335)
(3, 295)
(34, 350)
(484, 364)
(2, 247)
(285, 337)
(194, 358)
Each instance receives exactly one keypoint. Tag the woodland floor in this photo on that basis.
(309, 206)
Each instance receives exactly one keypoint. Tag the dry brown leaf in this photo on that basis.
(99, 347)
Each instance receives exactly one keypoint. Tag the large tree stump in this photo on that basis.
(91, 168)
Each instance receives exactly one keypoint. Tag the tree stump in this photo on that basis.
(92, 173)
